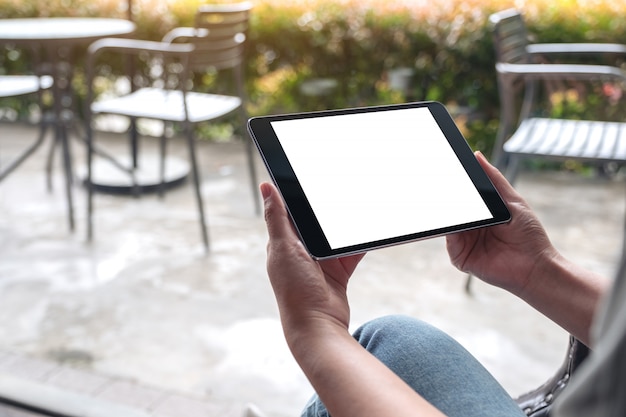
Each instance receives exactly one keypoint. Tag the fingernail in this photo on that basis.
(266, 190)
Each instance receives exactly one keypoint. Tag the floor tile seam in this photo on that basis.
(46, 376)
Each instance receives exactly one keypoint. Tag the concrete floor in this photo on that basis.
(144, 301)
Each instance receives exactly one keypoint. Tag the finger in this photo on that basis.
(276, 218)
(350, 262)
(503, 186)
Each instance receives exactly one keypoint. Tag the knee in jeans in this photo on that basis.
(398, 330)
(390, 326)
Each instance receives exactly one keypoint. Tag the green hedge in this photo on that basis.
(450, 51)
(356, 44)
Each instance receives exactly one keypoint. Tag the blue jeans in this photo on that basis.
(435, 366)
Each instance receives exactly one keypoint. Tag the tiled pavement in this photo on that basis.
(70, 391)
(143, 322)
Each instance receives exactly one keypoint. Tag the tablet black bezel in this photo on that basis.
(300, 210)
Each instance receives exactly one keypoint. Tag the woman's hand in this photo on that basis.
(315, 315)
(308, 292)
(504, 255)
(519, 257)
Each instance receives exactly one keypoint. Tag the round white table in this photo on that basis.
(68, 30)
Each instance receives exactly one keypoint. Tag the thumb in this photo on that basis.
(276, 218)
(499, 181)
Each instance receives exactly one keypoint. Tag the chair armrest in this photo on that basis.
(560, 71)
(137, 46)
(132, 47)
(576, 48)
(184, 33)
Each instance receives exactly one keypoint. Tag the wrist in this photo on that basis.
(566, 293)
(550, 264)
(305, 335)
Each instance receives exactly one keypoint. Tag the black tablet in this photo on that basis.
(365, 178)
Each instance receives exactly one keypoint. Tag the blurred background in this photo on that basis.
(143, 316)
(357, 53)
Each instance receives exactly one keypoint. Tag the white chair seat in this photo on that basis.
(581, 139)
(155, 103)
(17, 85)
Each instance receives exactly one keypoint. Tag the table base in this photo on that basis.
(107, 178)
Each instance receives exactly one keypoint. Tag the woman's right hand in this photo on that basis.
(311, 295)
(504, 255)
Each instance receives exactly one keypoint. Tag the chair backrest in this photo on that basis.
(510, 37)
(225, 28)
(510, 40)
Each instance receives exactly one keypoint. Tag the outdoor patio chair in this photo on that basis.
(165, 90)
(538, 402)
(524, 132)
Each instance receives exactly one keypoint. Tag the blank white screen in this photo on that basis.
(379, 175)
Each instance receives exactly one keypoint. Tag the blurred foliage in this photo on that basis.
(358, 44)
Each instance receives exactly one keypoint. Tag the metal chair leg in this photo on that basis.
(49, 164)
(196, 181)
(89, 185)
(67, 168)
(162, 155)
(468, 283)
